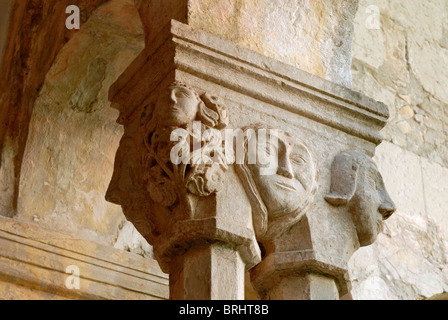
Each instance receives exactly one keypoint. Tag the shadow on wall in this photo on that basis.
(73, 135)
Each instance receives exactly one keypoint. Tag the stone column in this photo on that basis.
(204, 221)
(191, 208)
(299, 274)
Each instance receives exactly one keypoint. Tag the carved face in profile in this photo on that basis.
(177, 106)
(357, 184)
(280, 184)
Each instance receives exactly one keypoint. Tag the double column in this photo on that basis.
(210, 221)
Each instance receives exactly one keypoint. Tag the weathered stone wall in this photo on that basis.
(73, 135)
(404, 63)
(315, 36)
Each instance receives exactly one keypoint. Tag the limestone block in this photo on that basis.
(402, 174)
(368, 43)
(415, 15)
(380, 43)
(435, 183)
(425, 60)
(366, 83)
(413, 33)
(314, 36)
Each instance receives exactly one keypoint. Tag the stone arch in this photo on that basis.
(72, 136)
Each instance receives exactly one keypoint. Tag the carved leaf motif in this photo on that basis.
(215, 115)
(205, 173)
(205, 179)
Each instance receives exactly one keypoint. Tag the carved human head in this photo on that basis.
(179, 105)
(357, 184)
(279, 191)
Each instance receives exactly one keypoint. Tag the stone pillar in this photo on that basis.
(297, 271)
(307, 263)
(206, 222)
(193, 210)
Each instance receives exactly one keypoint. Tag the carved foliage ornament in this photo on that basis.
(179, 107)
(153, 191)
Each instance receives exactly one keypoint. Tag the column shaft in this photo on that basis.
(208, 272)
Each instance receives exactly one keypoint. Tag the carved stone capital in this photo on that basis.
(171, 202)
(169, 172)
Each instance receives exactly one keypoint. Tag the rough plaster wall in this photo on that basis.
(73, 135)
(315, 36)
(405, 65)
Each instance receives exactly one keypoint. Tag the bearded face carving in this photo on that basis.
(144, 173)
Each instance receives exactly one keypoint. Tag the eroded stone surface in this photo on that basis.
(409, 259)
(313, 36)
(402, 64)
(73, 135)
(35, 34)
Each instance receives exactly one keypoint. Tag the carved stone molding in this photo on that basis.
(35, 265)
(180, 49)
(190, 213)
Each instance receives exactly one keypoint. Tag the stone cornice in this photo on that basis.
(180, 47)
